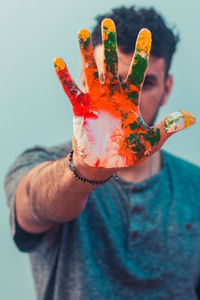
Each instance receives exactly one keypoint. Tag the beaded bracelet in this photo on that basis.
(73, 170)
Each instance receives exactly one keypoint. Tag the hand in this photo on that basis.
(107, 123)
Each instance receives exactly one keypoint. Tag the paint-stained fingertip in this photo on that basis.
(145, 32)
(178, 121)
(143, 44)
(108, 25)
(189, 118)
(59, 64)
(83, 34)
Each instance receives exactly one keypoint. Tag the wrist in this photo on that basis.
(98, 174)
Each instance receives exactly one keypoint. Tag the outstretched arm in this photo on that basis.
(50, 194)
(108, 134)
(107, 124)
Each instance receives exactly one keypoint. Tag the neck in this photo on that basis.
(144, 170)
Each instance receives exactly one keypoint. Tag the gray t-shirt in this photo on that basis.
(132, 241)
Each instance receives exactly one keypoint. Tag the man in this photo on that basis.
(135, 238)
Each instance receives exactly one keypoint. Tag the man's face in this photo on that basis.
(155, 89)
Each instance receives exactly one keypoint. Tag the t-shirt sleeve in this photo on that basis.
(25, 241)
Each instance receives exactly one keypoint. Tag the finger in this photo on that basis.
(74, 94)
(89, 67)
(173, 123)
(138, 65)
(110, 52)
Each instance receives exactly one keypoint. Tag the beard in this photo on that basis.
(152, 121)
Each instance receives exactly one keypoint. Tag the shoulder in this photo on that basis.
(38, 154)
(53, 152)
(180, 162)
(32, 157)
(182, 167)
(21, 166)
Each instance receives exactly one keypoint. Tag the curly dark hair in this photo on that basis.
(129, 21)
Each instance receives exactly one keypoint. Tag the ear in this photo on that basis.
(167, 89)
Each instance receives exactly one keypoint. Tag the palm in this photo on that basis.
(111, 131)
(107, 123)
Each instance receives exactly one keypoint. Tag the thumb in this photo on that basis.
(172, 123)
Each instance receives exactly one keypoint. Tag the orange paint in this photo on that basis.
(107, 116)
(189, 118)
(143, 43)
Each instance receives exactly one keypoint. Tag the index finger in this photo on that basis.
(87, 60)
(70, 88)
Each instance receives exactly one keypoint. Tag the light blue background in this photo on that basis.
(34, 109)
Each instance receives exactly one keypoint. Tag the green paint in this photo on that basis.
(84, 43)
(110, 52)
(130, 138)
(139, 123)
(138, 69)
(133, 96)
(136, 149)
(134, 125)
(152, 136)
(170, 122)
(96, 75)
(135, 144)
(142, 124)
(112, 39)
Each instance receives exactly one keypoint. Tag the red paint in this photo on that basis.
(135, 235)
(97, 163)
(188, 226)
(79, 101)
(136, 209)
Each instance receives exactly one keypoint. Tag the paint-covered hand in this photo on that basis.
(107, 124)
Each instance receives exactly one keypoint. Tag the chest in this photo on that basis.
(155, 232)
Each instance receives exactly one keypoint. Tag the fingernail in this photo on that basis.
(143, 45)
(108, 25)
(178, 121)
(59, 64)
(189, 118)
(84, 35)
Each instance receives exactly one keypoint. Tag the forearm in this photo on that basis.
(50, 194)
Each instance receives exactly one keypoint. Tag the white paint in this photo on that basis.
(94, 138)
(143, 54)
(178, 122)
